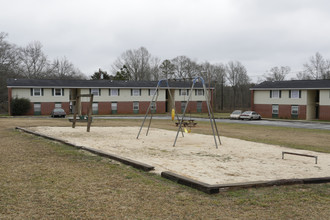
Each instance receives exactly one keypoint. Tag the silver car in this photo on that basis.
(235, 114)
(250, 115)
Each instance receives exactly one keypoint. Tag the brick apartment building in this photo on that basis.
(298, 99)
(110, 97)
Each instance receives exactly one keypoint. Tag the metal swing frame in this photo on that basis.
(210, 112)
(154, 100)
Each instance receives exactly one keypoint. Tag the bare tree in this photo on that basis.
(137, 63)
(180, 66)
(167, 69)
(277, 73)
(64, 69)
(33, 62)
(237, 76)
(154, 68)
(316, 68)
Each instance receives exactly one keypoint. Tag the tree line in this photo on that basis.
(32, 63)
(230, 80)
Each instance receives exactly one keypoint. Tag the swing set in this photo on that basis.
(181, 121)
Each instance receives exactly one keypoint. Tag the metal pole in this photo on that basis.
(184, 112)
(208, 108)
(151, 111)
(147, 111)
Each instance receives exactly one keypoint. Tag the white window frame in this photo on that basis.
(95, 92)
(152, 92)
(295, 94)
(275, 111)
(184, 92)
(114, 106)
(58, 105)
(95, 106)
(135, 106)
(294, 110)
(35, 91)
(37, 106)
(114, 92)
(135, 92)
(275, 94)
(200, 92)
(60, 94)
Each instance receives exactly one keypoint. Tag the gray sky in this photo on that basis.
(260, 34)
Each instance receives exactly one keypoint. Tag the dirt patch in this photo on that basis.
(195, 155)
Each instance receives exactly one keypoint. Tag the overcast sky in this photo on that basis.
(260, 34)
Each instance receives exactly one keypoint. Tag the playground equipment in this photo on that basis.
(210, 112)
(89, 114)
(154, 102)
(180, 121)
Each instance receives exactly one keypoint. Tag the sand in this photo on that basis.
(196, 156)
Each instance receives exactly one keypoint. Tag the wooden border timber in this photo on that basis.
(303, 155)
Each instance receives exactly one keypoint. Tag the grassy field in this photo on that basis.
(43, 179)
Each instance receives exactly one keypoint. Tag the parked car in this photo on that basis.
(250, 115)
(58, 112)
(235, 114)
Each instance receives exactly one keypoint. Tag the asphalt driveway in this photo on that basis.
(277, 123)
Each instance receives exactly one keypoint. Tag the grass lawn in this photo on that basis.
(40, 179)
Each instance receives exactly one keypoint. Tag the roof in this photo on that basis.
(58, 83)
(293, 84)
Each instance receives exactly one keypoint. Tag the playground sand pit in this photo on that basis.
(195, 155)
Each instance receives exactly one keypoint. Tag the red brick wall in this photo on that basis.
(324, 112)
(104, 108)
(252, 100)
(264, 110)
(160, 108)
(284, 111)
(125, 108)
(47, 107)
(302, 112)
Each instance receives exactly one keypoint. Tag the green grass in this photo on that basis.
(40, 179)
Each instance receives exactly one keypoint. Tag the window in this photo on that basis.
(275, 109)
(153, 106)
(135, 92)
(37, 92)
(275, 94)
(183, 106)
(58, 105)
(95, 108)
(95, 92)
(114, 92)
(199, 106)
(295, 94)
(183, 92)
(37, 108)
(136, 107)
(152, 92)
(58, 92)
(114, 106)
(199, 92)
(294, 110)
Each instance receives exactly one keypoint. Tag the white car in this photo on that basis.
(235, 114)
(250, 115)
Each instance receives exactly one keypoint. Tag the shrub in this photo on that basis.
(20, 106)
